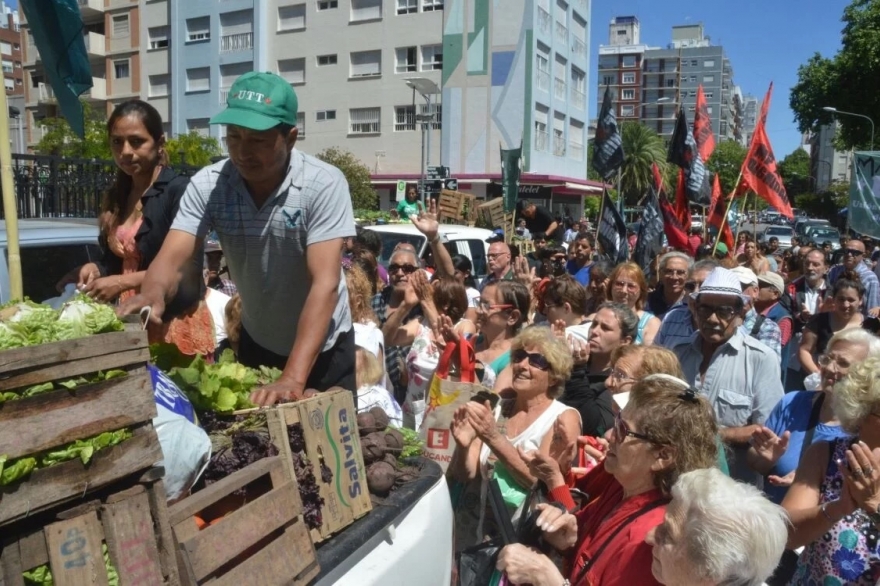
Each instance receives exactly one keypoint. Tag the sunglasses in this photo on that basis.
(407, 269)
(622, 431)
(535, 360)
(724, 312)
(494, 255)
(853, 252)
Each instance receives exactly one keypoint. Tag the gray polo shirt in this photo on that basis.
(742, 383)
(266, 248)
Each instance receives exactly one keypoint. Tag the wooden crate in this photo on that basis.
(329, 423)
(450, 207)
(492, 213)
(264, 542)
(49, 420)
(133, 523)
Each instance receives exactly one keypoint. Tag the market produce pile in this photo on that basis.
(386, 451)
(305, 477)
(25, 323)
(236, 442)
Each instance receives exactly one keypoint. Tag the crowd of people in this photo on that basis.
(690, 422)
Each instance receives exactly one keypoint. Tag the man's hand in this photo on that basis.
(82, 276)
(426, 222)
(874, 312)
(281, 391)
(138, 302)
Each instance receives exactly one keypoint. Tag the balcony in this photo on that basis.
(543, 21)
(96, 46)
(541, 140)
(98, 93)
(578, 47)
(578, 99)
(559, 88)
(561, 32)
(558, 145)
(224, 95)
(45, 93)
(576, 151)
(543, 80)
(90, 9)
(237, 42)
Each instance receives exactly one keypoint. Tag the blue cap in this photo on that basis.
(497, 236)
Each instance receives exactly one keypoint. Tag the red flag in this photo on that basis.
(703, 127)
(682, 206)
(759, 169)
(717, 215)
(658, 179)
(675, 232)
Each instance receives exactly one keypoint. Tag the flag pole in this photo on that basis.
(601, 211)
(16, 289)
(726, 213)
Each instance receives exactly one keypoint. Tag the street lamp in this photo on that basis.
(636, 108)
(836, 111)
(426, 88)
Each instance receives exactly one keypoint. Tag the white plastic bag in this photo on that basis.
(186, 448)
(68, 294)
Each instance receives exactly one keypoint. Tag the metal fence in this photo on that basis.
(58, 187)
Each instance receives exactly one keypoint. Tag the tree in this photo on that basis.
(846, 81)
(192, 149)
(795, 172)
(363, 196)
(642, 147)
(60, 140)
(726, 161)
(592, 204)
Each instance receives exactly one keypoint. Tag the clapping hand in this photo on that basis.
(543, 467)
(462, 431)
(781, 480)
(482, 419)
(861, 476)
(444, 331)
(523, 273)
(580, 349)
(768, 445)
(558, 329)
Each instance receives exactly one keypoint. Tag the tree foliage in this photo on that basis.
(60, 140)
(726, 161)
(192, 149)
(847, 81)
(795, 172)
(363, 196)
(642, 147)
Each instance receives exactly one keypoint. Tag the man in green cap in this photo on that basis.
(281, 217)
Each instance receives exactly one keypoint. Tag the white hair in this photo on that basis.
(676, 254)
(856, 336)
(732, 533)
(857, 395)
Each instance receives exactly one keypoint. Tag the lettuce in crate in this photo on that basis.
(25, 323)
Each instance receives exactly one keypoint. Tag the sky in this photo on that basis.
(765, 41)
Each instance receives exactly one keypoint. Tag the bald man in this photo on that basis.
(500, 264)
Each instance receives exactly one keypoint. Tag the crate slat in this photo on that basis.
(164, 536)
(278, 564)
(11, 566)
(35, 424)
(71, 480)
(67, 370)
(128, 530)
(75, 552)
(72, 350)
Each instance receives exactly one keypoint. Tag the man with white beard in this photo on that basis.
(807, 294)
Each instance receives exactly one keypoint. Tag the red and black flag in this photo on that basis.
(607, 145)
(759, 168)
(716, 216)
(683, 152)
(703, 127)
(675, 232)
(650, 237)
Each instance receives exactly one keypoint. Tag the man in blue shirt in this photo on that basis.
(581, 253)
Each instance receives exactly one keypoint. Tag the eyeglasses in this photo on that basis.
(674, 272)
(407, 269)
(486, 306)
(826, 360)
(622, 431)
(691, 286)
(853, 252)
(494, 255)
(535, 360)
(619, 375)
(724, 312)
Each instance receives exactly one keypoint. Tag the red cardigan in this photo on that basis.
(627, 559)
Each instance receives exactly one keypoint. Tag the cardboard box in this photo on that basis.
(329, 423)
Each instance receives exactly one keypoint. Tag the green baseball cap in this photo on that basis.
(259, 101)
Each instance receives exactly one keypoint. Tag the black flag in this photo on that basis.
(612, 232)
(607, 146)
(684, 153)
(650, 232)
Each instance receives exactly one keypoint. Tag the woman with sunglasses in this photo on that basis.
(487, 439)
(627, 285)
(848, 296)
(834, 503)
(665, 430)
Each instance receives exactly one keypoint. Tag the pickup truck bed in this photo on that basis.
(405, 540)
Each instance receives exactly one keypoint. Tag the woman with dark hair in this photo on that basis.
(597, 290)
(464, 275)
(136, 215)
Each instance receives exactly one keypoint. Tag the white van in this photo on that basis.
(465, 240)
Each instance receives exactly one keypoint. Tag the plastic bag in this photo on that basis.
(186, 449)
(68, 294)
(813, 382)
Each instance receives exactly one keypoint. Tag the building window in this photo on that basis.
(326, 60)
(627, 111)
(198, 29)
(404, 118)
(628, 94)
(693, 79)
(201, 126)
(16, 47)
(325, 115)
(670, 83)
(434, 110)
(405, 59)
(709, 63)
(432, 58)
(692, 93)
(18, 64)
(5, 48)
(541, 135)
(710, 95)
(292, 18)
(9, 83)
(364, 121)
(366, 10)
(158, 85)
(629, 60)
(300, 125)
(236, 31)
(121, 26)
(708, 79)
(607, 79)
(8, 67)
(327, 4)
(228, 74)
(559, 134)
(158, 37)
(629, 78)
(542, 70)
(292, 70)
(693, 63)
(198, 79)
(407, 6)
(432, 5)
(709, 109)
(366, 64)
(121, 70)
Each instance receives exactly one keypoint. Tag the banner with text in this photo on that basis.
(864, 195)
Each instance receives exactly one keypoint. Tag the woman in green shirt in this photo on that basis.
(410, 205)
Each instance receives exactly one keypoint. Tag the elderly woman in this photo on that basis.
(487, 440)
(627, 285)
(806, 417)
(835, 499)
(665, 430)
(717, 531)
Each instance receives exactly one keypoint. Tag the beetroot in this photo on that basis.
(366, 423)
(380, 417)
(380, 478)
(373, 447)
(394, 440)
(391, 459)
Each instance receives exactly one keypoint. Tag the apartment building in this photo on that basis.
(10, 51)
(827, 164)
(515, 75)
(751, 111)
(648, 84)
